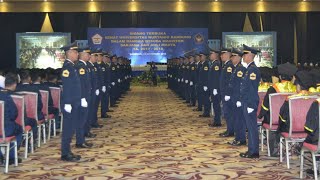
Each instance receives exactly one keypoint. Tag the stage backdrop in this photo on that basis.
(143, 45)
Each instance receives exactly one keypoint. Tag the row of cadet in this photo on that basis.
(240, 91)
(88, 78)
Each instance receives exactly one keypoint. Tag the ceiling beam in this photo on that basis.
(162, 6)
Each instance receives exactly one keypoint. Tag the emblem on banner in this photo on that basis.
(198, 38)
(97, 39)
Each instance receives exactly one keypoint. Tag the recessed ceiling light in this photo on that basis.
(1, 0)
(132, 0)
(45, 0)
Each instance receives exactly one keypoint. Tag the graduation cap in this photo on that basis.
(304, 79)
(72, 46)
(224, 50)
(287, 69)
(84, 49)
(315, 73)
(247, 49)
(266, 74)
(236, 52)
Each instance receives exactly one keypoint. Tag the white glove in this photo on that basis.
(113, 83)
(182, 80)
(215, 92)
(226, 98)
(97, 92)
(178, 80)
(119, 81)
(104, 89)
(68, 108)
(84, 103)
(191, 83)
(238, 104)
(250, 110)
(186, 81)
(205, 88)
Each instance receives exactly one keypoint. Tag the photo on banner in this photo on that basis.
(41, 50)
(266, 42)
(143, 45)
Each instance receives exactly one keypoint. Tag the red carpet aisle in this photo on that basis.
(152, 135)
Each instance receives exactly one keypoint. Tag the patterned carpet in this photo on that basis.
(152, 135)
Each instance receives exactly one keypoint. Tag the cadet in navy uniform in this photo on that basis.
(11, 128)
(192, 79)
(224, 84)
(107, 62)
(204, 84)
(71, 101)
(94, 93)
(249, 100)
(198, 89)
(105, 84)
(214, 78)
(114, 79)
(85, 81)
(238, 121)
(97, 57)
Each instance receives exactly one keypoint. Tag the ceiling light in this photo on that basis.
(180, 0)
(132, 0)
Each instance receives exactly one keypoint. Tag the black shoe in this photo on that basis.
(311, 172)
(247, 155)
(189, 105)
(223, 134)
(114, 106)
(215, 125)
(11, 161)
(237, 143)
(76, 156)
(84, 145)
(69, 158)
(106, 116)
(90, 135)
(227, 135)
(197, 109)
(110, 110)
(204, 115)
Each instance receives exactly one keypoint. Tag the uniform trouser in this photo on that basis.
(206, 102)
(95, 110)
(113, 96)
(228, 115)
(216, 108)
(192, 95)
(90, 112)
(34, 125)
(17, 132)
(199, 96)
(108, 98)
(187, 92)
(104, 107)
(251, 124)
(69, 123)
(239, 123)
(82, 123)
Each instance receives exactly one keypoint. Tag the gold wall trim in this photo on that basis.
(164, 6)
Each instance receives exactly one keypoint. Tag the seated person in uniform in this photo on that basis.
(286, 72)
(52, 79)
(27, 121)
(311, 127)
(26, 86)
(11, 128)
(303, 81)
(36, 80)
